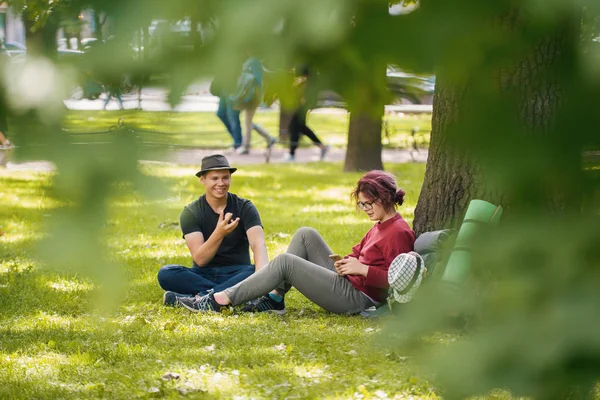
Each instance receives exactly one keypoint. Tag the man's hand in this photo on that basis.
(225, 225)
(351, 266)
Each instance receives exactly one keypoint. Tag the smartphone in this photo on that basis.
(335, 257)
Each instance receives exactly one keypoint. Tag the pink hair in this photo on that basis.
(380, 186)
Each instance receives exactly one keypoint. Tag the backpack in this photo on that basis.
(247, 92)
(434, 249)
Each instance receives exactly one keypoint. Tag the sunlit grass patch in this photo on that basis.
(64, 285)
(125, 352)
(204, 129)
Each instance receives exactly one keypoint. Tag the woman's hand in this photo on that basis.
(351, 266)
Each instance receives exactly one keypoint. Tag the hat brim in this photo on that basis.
(232, 170)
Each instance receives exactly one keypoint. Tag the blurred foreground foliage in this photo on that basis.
(515, 122)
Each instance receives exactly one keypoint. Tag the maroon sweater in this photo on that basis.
(382, 243)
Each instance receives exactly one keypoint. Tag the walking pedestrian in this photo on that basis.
(230, 116)
(307, 92)
(113, 89)
(247, 98)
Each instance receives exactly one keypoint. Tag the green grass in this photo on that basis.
(206, 130)
(56, 344)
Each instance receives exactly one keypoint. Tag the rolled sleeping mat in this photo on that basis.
(459, 263)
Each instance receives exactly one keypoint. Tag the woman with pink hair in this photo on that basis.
(345, 285)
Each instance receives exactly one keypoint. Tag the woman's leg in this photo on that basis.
(222, 114)
(312, 136)
(320, 285)
(262, 132)
(248, 126)
(308, 244)
(294, 131)
(233, 116)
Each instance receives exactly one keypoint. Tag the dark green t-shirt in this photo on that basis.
(198, 216)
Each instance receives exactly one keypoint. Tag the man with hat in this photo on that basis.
(218, 229)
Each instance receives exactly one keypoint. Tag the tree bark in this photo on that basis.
(528, 91)
(285, 116)
(364, 142)
(43, 39)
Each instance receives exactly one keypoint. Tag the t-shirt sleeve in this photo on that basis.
(250, 216)
(188, 222)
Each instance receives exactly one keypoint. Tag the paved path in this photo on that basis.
(256, 156)
(197, 98)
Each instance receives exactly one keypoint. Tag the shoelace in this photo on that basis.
(203, 302)
(264, 305)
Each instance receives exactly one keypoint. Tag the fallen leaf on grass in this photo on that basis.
(168, 225)
(280, 235)
(210, 348)
(170, 376)
(280, 347)
(170, 326)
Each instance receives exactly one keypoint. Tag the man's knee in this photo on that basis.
(166, 270)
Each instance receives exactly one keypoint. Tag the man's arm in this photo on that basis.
(204, 251)
(256, 238)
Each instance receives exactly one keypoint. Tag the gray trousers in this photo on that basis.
(307, 267)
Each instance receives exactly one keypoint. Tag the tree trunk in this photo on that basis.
(367, 96)
(284, 122)
(485, 131)
(41, 40)
(364, 142)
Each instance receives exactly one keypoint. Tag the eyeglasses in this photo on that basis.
(365, 205)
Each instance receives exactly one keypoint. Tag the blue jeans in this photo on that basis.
(231, 120)
(195, 280)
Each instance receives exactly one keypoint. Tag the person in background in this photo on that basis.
(247, 98)
(218, 228)
(224, 88)
(307, 91)
(349, 285)
(113, 89)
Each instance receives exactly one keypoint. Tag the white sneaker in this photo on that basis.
(287, 157)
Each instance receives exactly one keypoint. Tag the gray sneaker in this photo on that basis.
(170, 298)
(270, 145)
(201, 303)
(324, 151)
(265, 304)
